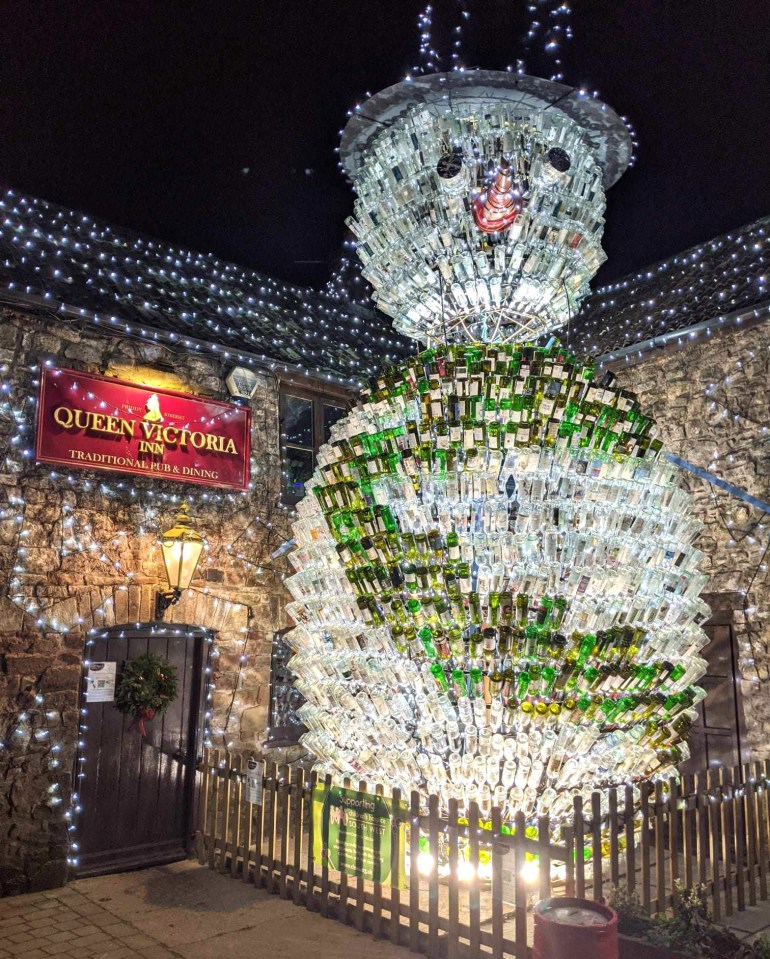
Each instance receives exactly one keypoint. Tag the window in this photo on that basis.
(284, 727)
(306, 422)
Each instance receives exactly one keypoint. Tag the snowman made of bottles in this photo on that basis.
(496, 587)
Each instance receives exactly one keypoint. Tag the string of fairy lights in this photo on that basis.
(37, 721)
(703, 285)
(548, 32)
(189, 301)
(194, 303)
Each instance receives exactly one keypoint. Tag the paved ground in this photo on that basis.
(753, 922)
(184, 911)
(181, 911)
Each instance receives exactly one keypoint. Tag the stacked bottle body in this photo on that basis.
(497, 584)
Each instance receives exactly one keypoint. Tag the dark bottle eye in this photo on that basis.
(559, 159)
(449, 165)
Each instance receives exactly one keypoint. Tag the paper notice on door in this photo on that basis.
(254, 782)
(100, 682)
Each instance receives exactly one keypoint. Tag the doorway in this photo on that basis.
(137, 794)
(718, 738)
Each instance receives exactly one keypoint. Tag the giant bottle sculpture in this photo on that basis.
(496, 588)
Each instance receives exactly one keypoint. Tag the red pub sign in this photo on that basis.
(99, 423)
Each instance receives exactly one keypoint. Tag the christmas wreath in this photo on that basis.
(147, 687)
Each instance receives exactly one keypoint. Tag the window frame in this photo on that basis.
(280, 737)
(321, 395)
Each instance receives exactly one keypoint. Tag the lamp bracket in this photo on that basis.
(164, 599)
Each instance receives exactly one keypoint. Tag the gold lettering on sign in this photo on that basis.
(156, 437)
(154, 449)
(153, 466)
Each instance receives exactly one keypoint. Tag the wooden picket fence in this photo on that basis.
(711, 829)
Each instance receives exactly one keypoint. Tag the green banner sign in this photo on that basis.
(355, 833)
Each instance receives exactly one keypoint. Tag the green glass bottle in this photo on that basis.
(522, 609)
(459, 682)
(438, 674)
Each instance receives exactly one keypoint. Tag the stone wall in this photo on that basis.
(84, 551)
(711, 398)
(71, 545)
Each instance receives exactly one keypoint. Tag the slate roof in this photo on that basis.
(66, 257)
(710, 281)
(69, 258)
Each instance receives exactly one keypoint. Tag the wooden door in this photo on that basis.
(719, 736)
(137, 792)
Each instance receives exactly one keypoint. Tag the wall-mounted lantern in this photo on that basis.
(181, 547)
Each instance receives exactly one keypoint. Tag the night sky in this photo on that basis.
(213, 125)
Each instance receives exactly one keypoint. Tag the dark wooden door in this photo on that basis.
(719, 736)
(137, 793)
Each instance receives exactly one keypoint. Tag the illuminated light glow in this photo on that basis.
(496, 589)
(530, 872)
(426, 863)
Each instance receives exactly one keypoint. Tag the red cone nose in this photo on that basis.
(498, 210)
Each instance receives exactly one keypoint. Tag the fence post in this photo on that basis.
(325, 866)
(702, 812)
(342, 906)
(728, 831)
(358, 915)
(614, 845)
(544, 841)
(578, 827)
(284, 812)
(673, 830)
(474, 896)
(628, 813)
(762, 824)
(751, 832)
(689, 822)
(570, 856)
(596, 847)
(214, 809)
(433, 826)
(310, 902)
(377, 884)
(714, 847)
(739, 807)
(521, 949)
(497, 884)
(453, 892)
(414, 873)
(258, 818)
(644, 792)
(246, 833)
(759, 808)
(226, 812)
(660, 847)
(298, 822)
(271, 782)
(203, 799)
(236, 817)
(395, 869)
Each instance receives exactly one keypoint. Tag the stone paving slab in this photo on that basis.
(180, 911)
(750, 924)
